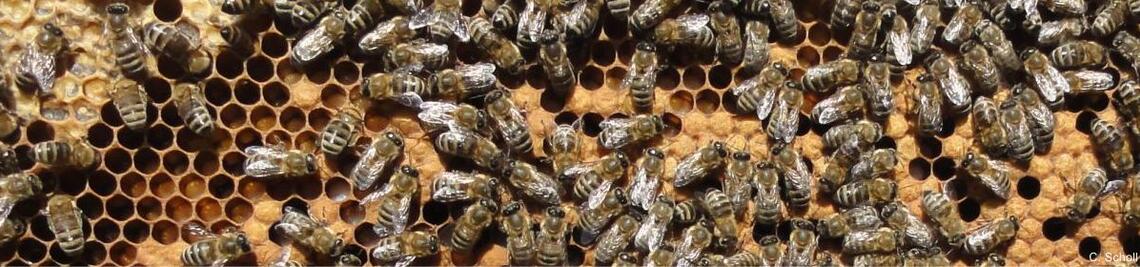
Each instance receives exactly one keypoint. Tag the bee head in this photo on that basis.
(337, 248)
(658, 124)
(654, 152)
(310, 163)
(627, 257)
(925, 77)
(512, 208)
(619, 195)
(395, 139)
(764, 164)
(997, 259)
(769, 240)
(889, 209)
(741, 156)
(1015, 221)
(1131, 220)
(934, 55)
(622, 159)
(53, 30)
(118, 8)
(365, 85)
(243, 243)
(889, 15)
(970, 157)
(481, 119)
(1120, 38)
(646, 46)
(720, 6)
(1028, 53)
(870, 6)
(779, 66)
(720, 149)
(1018, 89)
(433, 244)
(1008, 104)
(664, 199)
(494, 96)
(967, 46)
(803, 225)
(489, 204)
(555, 212)
(706, 224)
(409, 171)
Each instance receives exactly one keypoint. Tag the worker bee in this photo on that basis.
(504, 53)
(651, 13)
(469, 145)
(454, 186)
(17, 187)
(768, 207)
(66, 220)
(877, 88)
(237, 7)
(783, 18)
(592, 181)
(646, 178)
(386, 35)
(758, 94)
(405, 247)
(802, 244)
(797, 178)
(465, 80)
(556, 64)
(993, 38)
(309, 233)
(770, 254)
(991, 260)
(988, 126)
(400, 85)
(620, 132)
(912, 230)
(661, 257)
(944, 214)
(276, 161)
(532, 183)
(897, 44)
(1020, 137)
(1088, 81)
(711, 259)
(471, 224)
(362, 16)
(131, 101)
(421, 54)
(823, 77)
(443, 21)
(376, 159)
(191, 103)
(1079, 54)
(395, 200)
(927, 17)
(1108, 140)
(988, 237)
(864, 35)
(879, 163)
(595, 215)
(1038, 115)
(180, 43)
(882, 240)
(642, 77)
(729, 43)
(67, 153)
(11, 229)
(694, 240)
(207, 248)
(838, 169)
(689, 31)
(626, 259)
(616, 238)
(37, 66)
(755, 46)
(843, 14)
(1059, 31)
(551, 238)
(843, 105)
(1126, 99)
(562, 147)
(509, 121)
(130, 52)
(862, 133)
(1065, 7)
(687, 212)
(955, 88)
(743, 258)
(785, 118)
(874, 192)
(924, 256)
(301, 13)
(651, 233)
(978, 65)
(1091, 189)
(321, 40)
(237, 39)
(841, 224)
(699, 164)
(342, 131)
(532, 22)
(737, 183)
(515, 223)
(993, 174)
(1128, 47)
(958, 30)
(718, 205)
(579, 23)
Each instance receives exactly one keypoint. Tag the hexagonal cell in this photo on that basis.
(346, 72)
(168, 11)
(228, 64)
(694, 77)
(259, 68)
(165, 232)
(146, 160)
(263, 118)
(1084, 121)
(819, 34)
(287, 73)
(120, 207)
(175, 162)
(31, 250)
(94, 253)
(247, 92)
(233, 116)
(109, 114)
(944, 168)
(40, 131)
(251, 189)
(129, 139)
(123, 253)
(218, 92)
(807, 56)
(159, 137)
(248, 137)
(292, 119)
(720, 76)
(103, 183)
(1028, 187)
(919, 169)
(352, 212)
(969, 209)
(274, 45)
(680, 102)
(169, 115)
(708, 101)
(106, 231)
(208, 209)
(91, 205)
(668, 78)
(238, 210)
(673, 124)
(117, 160)
(191, 186)
(309, 188)
(602, 53)
(100, 135)
(591, 124)
(39, 228)
(1089, 248)
(591, 78)
(132, 184)
(149, 208)
(337, 189)
(162, 186)
(276, 94)
(136, 231)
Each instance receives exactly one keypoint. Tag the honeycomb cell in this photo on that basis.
(708, 101)
(149, 208)
(39, 228)
(337, 189)
(233, 116)
(221, 186)
(40, 131)
(591, 124)
(930, 147)
(668, 78)
(1089, 248)
(614, 77)
(191, 186)
(969, 209)
(136, 231)
(106, 231)
(352, 212)
(129, 139)
(1054, 228)
(103, 183)
(309, 188)
(168, 11)
(694, 77)
(720, 76)
(292, 119)
(94, 253)
(287, 73)
(263, 118)
(117, 160)
(956, 189)
(31, 250)
(120, 207)
(1028, 187)
(944, 168)
(591, 78)
(807, 56)
(56, 256)
(364, 234)
(565, 118)
(175, 162)
(673, 124)
(919, 169)
(157, 89)
(228, 64)
(170, 68)
(575, 256)
(109, 114)
(100, 135)
(159, 137)
(208, 209)
(248, 137)
(146, 160)
(123, 253)
(251, 189)
(274, 45)
(603, 53)
(217, 92)
(306, 141)
(1131, 243)
(8, 251)
(165, 232)
(232, 163)
(1097, 102)
(279, 137)
(435, 213)
(552, 101)
(247, 92)
(346, 72)
(276, 94)
(132, 184)
(831, 53)
(162, 186)
(91, 205)
(680, 102)
(169, 114)
(819, 34)
(1084, 121)
(259, 68)
(238, 210)
(206, 163)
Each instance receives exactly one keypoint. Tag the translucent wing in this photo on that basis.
(693, 20)
(399, 221)
(405, 261)
(917, 232)
(575, 14)
(1111, 187)
(955, 87)
(6, 205)
(763, 108)
(531, 21)
(263, 161)
(899, 41)
(1050, 83)
(615, 133)
(644, 187)
(314, 44)
(1088, 81)
(830, 110)
(652, 231)
(379, 38)
(981, 236)
(599, 193)
(688, 170)
(576, 171)
(955, 29)
(542, 187)
(478, 75)
(459, 26)
(283, 258)
(448, 185)
(687, 250)
(423, 18)
(197, 232)
(994, 181)
(188, 30)
(920, 33)
(41, 65)
(914, 2)
(436, 116)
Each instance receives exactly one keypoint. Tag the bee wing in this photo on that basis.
(998, 185)
(653, 232)
(615, 132)
(399, 221)
(262, 161)
(423, 18)
(575, 13)
(688, 170)
(1110, 188)
(447, 186)
(955, 87)
(1089, 80)
(197, 232)
(188, 30)
(405, 261)
(899, 40)
(531, 21)
(478, 75)
(41, 65)
(314, 44)
(828, 110)
(1050, 83)
(542, 188)
(6, 206)
(459, 26)
(599, 193)
(283, 258)
(369, 168)
(576, 170)
(980, 236)
(918, 232)
(693, 21)
(436, 116)
(643, 188)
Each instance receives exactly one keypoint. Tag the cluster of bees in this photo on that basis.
(470, 116)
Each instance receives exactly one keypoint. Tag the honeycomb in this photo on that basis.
(151, 183)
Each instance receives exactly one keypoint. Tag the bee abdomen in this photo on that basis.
(239, 7)
(585, 185)
(336, 137)
(799, 197)
(618, 8)
(388, 249)
(51, 152)
(130, 59)
(199, 119)
(851, 194)
(197, 254)
(71, 240)
(551, 257)
(642, 96)
(465, 236)
(686, 212)
(1111, 16)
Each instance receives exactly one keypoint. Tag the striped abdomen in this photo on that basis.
(52, 152)
(132, 107)
(130, 58)
(68, 228)
(687, 212)
(197, 117)
(337, 135)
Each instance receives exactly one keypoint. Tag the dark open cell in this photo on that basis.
(117, 160)
(99, 135)
(591, 124)
(123, 253)
(260, 68)
(106, 231)
(575, 256)
(1054, 228)
(435, 212)
(969, 209)
(40, 131)
(929, 146)
(32, 250)
(146, 160)
(93, 253)
(673, 125)
(103, 183)
(130, 139)
(39, 228)
(221, 186)
(919, 169)
(553, 101)
(170, 68)
(694, 77)
(159, 137)
(708, 101)
(167, 10)
(1130, 242)
(1094, 211)
(276, 94)
(886, 142)
(668, 78)
(120, 207)
(565, 118)
(228, 64)
(165, 232)
(1028, 187)
(1084, 121)
(944, 168)
(1089, 248)
(136, 231)
(804, 126)
(238, 210)
(274, 45)
(948, 126)
(603, 53)
(149, 208)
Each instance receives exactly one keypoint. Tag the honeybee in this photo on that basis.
(551, 238)
(237, 7)
(581, 20)
(843, 14)
(702, 162)
(838, 169)
(1108, 140)
(897, 44)
(625, 259)
(400, 85)
(376, 159)
(386, 35)
(694, 240)
(66, 220)
(877, 259)
(616, 238)
(395, 200)
(469, 145)
(955, 88)
(592, 181)
(987, 124)
(758, 94)
(179, 42)
(443, 21)
(689, 31)
(755, 46)
(944, 214)
(1088, 81)
(1128, 47)
(988, 237)
(881, 240)
(999, 47)
(729, 43)
(651, 234)
(37, 66)
(130, 52)
(1126, 99)
(927, 17)
(562, 147)
(783, 17)
(979, 66)
(207, 248)
(321, 40)
(191, 104)
(619, 9)
(237, 39)
(17, 187)
(309, 233)
(841, 224)
(687, 212)
(465, 80)
(276, 161)
(301, 13)
(11, 229)
(743, 258)
(534, 184)
(642, 77)
(991, 260)
(509, 121)
(768, 207)
(843, 105)
(877, 88)
(503, 13)
(532, 22)
(737, 183)
(879, 163)
(862, 133)
(594, 216)
(912, 230)
(620, 132)
(802, 244)
(1065, 7)
(556, 64)
(283, 259)
(718, 205)
(785, 118)
(504, 53)
(67, 153)
(405, 247)
(925, 256)
(1020, 137)
(874, 192)
(131, 101)
(993, 174)
(651, 13)
(1092, 188)
(865, 33)
(342, 131)
(515, 223)
(471, 224)
(1038, 115)
(1079, 54)
(797, 178)
(420, 54)
(958, 30)
(1051, 33)
(363, 16)
(823, 77)
(455, 186)
(661, 257)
